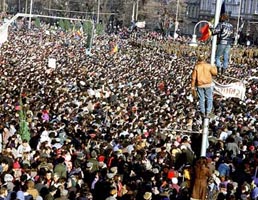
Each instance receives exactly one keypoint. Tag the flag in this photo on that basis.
(206, 32)
(79, 33)
(223, 8)
(115, 49)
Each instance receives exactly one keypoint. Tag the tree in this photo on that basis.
(23, 124)
(37, 23)
(87, 28)
(61, 24)
(99, 29)
(67, 25)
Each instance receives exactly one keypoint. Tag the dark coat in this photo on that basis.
(202, 173)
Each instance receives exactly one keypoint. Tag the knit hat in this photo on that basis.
(8, 178)
(93, 154)
(101, 158)
(113, 191)
(147, 195)
(252, 148)
(89, 165)
(110, 175)
(16, 165)
(113, 170)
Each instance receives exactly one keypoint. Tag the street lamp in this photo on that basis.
(238, 19)
(137, 10)
(98, 11)
(31, 4)
(133, 12)
(205, 129)
(176, 21)
(193, 42)
(19, 6)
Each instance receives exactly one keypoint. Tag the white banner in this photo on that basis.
(52, 63)
(140, 24)
(3, 34)
(253, 77)
(236, 90)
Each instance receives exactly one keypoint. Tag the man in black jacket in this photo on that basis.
(224, 30)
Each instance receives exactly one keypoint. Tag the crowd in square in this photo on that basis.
(121, 125)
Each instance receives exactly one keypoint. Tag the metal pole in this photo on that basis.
(26, 6)
(133, 11)
(137, 10)
(31, 4)
(213, 54)
(4, 6)
(238, 20)
(214, 38)
(49, 6)
(98, 11)
(195, 27)
(71, 11)
(1, 142)
(19, 6)
(205, 136)
(92, 35)
(176, 21)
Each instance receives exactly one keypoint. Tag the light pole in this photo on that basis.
(238, 20)
(31, 4)
(19, 6)
(26, 6)
(137, 10)
(98, 11)
(49, 6)
(205, 129)
(133, 11)
(176, 20)
(214, 38)
(4, 6)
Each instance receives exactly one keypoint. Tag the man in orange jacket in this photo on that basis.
(202, 83)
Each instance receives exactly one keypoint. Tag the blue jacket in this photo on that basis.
(224, 169)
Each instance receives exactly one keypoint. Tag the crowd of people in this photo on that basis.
(120, 124)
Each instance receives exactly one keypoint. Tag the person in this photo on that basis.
(201, 176)
(224, 31)
(202, 82)
(3, 193)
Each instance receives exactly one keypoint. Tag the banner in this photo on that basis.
(253, 77)
(140, 24)
(235, 90)
(3, 34)
(52, 63)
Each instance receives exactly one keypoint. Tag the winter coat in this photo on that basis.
(202, 175)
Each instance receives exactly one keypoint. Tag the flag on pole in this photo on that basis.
(206, 33)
